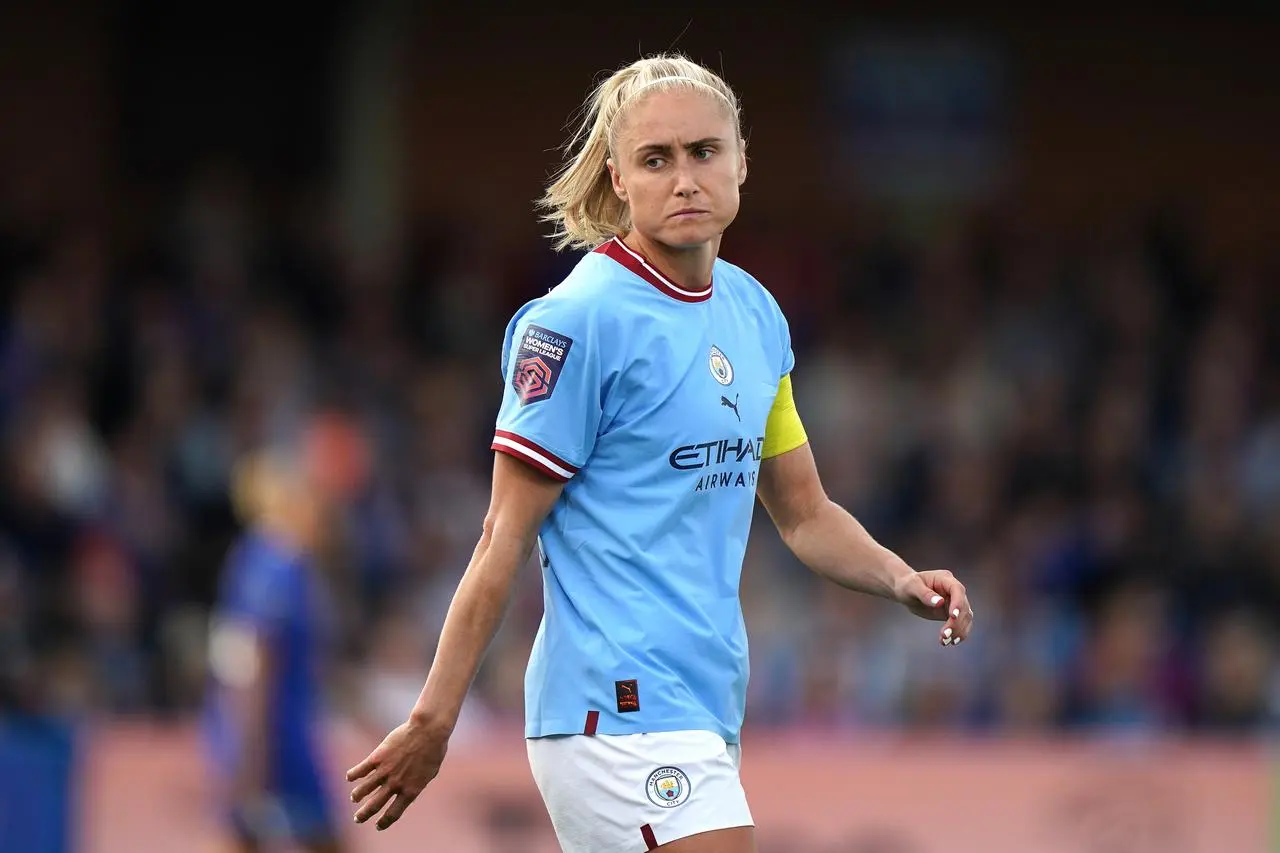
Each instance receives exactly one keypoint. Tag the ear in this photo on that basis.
(742, 163)
(615, 177)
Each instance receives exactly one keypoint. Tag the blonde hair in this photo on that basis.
(580, 201)
(261, 484)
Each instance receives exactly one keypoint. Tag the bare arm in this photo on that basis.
(822, 534)
(241, 660)
(251, 706)
(520, 501)
(835, 546)
(406, 761)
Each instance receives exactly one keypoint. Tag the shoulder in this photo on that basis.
(270, 575)
(590, 298)
(742, 285)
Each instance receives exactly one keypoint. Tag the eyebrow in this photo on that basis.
(662, 148)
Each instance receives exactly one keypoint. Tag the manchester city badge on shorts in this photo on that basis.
(721, 369)
(667, 787)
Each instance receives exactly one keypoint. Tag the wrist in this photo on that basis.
(433, 720)
(901, 578)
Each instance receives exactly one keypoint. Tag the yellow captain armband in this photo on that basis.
(783, 431)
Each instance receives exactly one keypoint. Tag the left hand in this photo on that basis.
(397, 771)
(937, 595)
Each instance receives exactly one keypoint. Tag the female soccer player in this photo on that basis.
(648, 402)
(262, 726)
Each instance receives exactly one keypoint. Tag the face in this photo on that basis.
(678, 164)
(285, 497)
(312, 513)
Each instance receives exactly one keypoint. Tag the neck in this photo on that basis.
(687, 268)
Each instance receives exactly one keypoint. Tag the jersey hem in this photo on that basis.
(604, 726)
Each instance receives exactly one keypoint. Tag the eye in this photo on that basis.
(654, 163)
(704, 153)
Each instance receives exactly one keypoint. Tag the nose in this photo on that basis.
(685, 185)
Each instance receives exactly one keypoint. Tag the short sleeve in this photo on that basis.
(551, 402)
(784, 336)
(258, 611)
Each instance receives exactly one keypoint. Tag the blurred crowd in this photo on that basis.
(1084, 426)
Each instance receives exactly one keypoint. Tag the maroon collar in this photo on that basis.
(623, 254)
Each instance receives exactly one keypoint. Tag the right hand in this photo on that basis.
(397, 771)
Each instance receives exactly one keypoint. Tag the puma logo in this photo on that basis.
(724, 401)
(628, 696)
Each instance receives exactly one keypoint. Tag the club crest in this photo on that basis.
(721, 369)
(667, 787)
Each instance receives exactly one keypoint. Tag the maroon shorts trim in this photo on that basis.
(649, 840)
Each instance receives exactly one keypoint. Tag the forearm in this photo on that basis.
(251, 766)
(835, 546)
(477, 610)
(252, 707)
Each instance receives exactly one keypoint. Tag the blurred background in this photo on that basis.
(1030, 264)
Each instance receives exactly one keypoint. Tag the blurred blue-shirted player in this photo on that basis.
(647, 405)
(268, 634)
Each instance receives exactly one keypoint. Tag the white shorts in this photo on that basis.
(624, 793)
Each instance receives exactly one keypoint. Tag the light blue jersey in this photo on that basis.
(650, 402)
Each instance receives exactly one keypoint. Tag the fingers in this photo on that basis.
(959, 622)
(392, 814)
(929, 597)
(958, 615)
(373, 805)
(376, 792)
(365, 788)
(925, 601)
(961, 612)
(363, 768)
